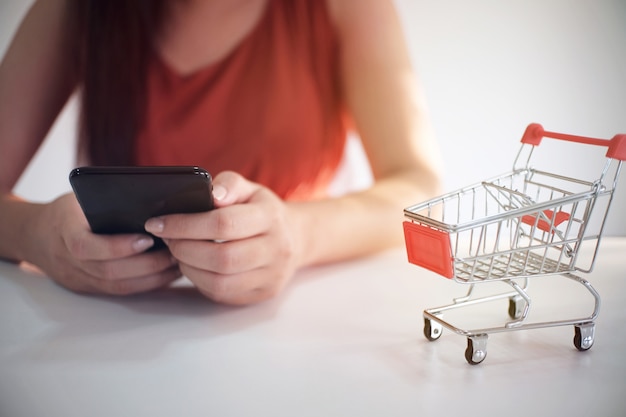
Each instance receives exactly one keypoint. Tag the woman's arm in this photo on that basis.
(36, 80)
(390, 115)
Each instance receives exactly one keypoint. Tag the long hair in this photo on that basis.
(116, 42)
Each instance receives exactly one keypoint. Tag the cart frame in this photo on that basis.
(523, 224)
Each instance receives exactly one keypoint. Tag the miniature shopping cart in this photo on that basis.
(510, 228)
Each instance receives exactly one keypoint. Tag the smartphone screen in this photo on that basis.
(121, 199)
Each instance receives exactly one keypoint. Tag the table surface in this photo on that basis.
(343, 340)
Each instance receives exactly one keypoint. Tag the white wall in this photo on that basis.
(489, 67)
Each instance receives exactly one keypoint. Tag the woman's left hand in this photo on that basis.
(242, 252)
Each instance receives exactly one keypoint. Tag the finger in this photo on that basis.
(237, 289)
(228, 223)
(231, 188)
(84, 245)
(137, 285)
(224, 258)
(86, 284)
(144, 264)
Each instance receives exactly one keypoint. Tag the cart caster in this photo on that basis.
(516, 307)
(583, 336)
(432, 330)
(476, 351)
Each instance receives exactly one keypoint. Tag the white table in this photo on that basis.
(344, 340)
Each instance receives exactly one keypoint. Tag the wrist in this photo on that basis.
(17, 228)
(300, 225)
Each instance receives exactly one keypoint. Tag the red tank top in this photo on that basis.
(270, 110)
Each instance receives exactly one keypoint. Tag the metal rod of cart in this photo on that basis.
(523, 224)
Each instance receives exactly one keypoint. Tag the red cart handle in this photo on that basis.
(617, 146)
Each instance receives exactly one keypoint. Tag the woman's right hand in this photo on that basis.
(63, 247)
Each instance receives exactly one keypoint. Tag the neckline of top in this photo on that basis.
(211, 66)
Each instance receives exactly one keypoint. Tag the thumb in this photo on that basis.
(232, 188)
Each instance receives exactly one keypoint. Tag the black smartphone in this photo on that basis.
(121, 199)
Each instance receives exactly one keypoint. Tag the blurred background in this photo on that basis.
(488, 67)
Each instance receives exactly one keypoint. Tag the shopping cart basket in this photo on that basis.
(522, 224)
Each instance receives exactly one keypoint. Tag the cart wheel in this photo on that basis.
(516, 307)
(432, 331)
(476, 351)
(583, 336)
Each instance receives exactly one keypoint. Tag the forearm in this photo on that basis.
(361, 223)
(16, 227)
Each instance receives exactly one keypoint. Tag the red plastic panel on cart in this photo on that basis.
(542, 224)
(429, 248)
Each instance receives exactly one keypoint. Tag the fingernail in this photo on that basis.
(142, 243)
(219, 192)
(154, 225)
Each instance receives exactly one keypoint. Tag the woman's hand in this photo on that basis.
(242, 252)
(62, 245)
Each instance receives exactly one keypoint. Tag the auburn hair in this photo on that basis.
(115, 43)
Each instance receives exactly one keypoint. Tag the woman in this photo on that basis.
(260, 92)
